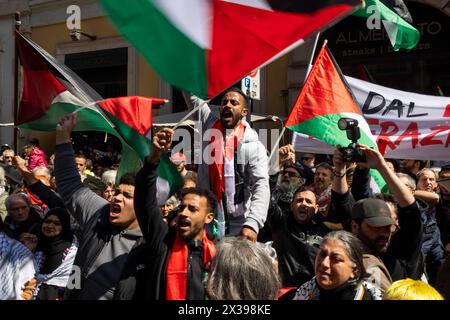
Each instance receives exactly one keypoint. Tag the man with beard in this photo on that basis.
(234, 166)
(179, 255)
(109, 229)
(432, 247)
(322, 186)
(371, 219)
(296, 237)
(411, 167)
(284, 183)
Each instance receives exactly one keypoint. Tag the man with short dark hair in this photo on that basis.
(296, 235)
(323, 177)
(411, 167)
(235, 166)
(179, 256)
(308, 159)
(109, 229)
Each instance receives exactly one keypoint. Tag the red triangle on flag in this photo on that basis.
(40, 86)
(265, 34)
(324, 92)
(135, 112)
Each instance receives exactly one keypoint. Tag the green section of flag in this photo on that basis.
(172, 55)
(89, 119)
(400, 33)
(325, 128)
(142, 147)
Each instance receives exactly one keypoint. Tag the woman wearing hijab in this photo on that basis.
(57, 247)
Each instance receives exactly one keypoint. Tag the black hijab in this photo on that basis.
(55, 247)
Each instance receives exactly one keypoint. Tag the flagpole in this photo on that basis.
(316, 40)
(17, 23)
(179, 123)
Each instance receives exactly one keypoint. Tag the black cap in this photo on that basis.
(374, 211)
(297, 168)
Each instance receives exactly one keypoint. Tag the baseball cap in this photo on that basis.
(374, 211)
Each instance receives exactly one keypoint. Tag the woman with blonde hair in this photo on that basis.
(409, 289)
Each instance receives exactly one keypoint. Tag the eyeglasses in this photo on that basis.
(306, 158)
(55, 223)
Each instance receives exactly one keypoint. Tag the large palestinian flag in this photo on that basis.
(324, 99)
(204, 46)
(50, 90)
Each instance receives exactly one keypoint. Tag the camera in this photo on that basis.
(351, 153)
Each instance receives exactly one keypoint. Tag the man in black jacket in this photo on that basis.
(400, 252)
(296, 237)
(178, 257)
(22, 217)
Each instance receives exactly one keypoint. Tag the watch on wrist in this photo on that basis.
(336, 174)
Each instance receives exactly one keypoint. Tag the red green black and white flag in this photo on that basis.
(205, 46)
(324, 99)
(50, 90)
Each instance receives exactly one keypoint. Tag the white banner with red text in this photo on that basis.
(406, 125)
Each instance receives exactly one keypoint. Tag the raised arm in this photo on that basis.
(341, 200)
(81, 202)
(376, 161)
(193, 101)
(339, 184)
(47, 196)
(145, 203)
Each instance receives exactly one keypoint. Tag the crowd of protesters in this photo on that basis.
(315, 230)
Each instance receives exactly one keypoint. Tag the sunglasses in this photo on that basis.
(305, 158)
(291, 174)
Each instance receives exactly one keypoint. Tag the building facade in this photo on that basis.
(114, 68)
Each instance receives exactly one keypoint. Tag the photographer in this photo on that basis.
(400, 251)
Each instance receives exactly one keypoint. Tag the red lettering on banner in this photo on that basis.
(441, 129)
(413, 132)
(372, 122)
(383, 140)
(428, 139)
(447, 111)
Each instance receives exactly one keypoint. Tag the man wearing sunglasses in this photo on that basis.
(8, 156)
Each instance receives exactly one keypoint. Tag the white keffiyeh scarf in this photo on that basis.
(16, 268)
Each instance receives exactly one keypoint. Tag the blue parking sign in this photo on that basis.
(247, 82)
